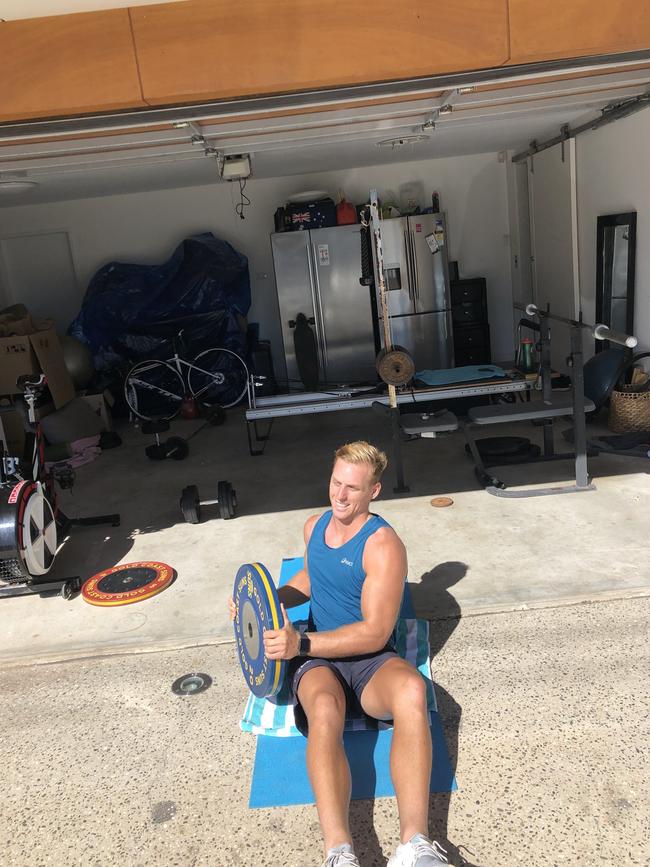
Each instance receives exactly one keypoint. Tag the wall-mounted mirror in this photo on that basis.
(616, 249)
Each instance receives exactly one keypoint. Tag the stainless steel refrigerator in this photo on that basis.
(317, 274)
(416, 274)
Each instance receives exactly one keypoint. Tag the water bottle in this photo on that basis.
(527, 360)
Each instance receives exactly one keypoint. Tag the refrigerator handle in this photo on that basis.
(416, 276)
(409, 265)
(318, 307)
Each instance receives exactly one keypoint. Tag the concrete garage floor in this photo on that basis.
(545, 710)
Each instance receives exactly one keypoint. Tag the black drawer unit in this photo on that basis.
(467, 312)
(470, 318)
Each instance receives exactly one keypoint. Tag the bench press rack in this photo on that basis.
(269, 408)
(548, 408)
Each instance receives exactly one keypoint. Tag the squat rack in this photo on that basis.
(547, 408)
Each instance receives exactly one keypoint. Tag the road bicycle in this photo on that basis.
(155, 390)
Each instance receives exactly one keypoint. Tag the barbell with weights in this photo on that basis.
(174, 447)
(177, 448)
(191, 502)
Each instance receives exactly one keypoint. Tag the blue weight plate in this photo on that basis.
(258, 608)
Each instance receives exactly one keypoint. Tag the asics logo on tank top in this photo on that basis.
(345, 562)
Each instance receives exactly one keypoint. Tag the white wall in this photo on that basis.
(613, 177)
(146, 227)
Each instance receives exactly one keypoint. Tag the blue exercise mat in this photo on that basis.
(453, 375)
(280, 769)
(280, 772)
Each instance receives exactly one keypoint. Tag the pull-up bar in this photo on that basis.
(599, 331)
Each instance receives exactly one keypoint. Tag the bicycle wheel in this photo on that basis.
(154, 390)
(218, 376)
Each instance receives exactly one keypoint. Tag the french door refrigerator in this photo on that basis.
(416, 275)
(317, 274)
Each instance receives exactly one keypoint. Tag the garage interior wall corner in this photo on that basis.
(613, 179)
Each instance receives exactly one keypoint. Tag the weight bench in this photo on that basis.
(481, 415)
(544, 411)
(428, 424)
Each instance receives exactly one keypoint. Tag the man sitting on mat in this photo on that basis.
(354, 574)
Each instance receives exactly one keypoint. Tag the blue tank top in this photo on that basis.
(336, 575)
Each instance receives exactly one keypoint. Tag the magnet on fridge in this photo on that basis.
(431, 241)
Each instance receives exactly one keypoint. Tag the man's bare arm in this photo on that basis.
(386, 567)
(295, 591)
(298, 588)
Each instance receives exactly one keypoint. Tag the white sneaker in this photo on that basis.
(418, 852)
(341, 856)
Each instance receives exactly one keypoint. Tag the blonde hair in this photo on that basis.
(361, 452)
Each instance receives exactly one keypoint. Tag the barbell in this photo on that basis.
(599, 331)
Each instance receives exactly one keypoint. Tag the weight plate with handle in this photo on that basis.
(257, 608)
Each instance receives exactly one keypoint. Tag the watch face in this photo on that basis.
(305, 645)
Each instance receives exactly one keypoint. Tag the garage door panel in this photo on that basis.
(68, 64)
(205, 50)
(557, 29)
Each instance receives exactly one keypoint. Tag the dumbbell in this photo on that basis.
(191, 503)
(175, 448)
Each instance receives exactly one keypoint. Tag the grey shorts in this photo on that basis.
(353, 673)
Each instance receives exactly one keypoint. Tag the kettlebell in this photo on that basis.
(189, 409)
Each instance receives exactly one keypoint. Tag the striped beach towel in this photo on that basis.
(275, 716)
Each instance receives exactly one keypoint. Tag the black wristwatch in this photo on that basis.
(304, 645)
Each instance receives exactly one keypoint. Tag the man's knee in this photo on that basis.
(325, 707)
(410, 697)
(322, 698)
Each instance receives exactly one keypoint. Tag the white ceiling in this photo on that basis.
(505, 116)
(13, 10)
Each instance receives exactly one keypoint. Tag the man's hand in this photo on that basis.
(232, 608)
(282, 643)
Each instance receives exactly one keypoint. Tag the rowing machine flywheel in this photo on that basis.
(28, 537)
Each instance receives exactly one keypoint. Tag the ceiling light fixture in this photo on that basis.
(15, 10)
(402, 141)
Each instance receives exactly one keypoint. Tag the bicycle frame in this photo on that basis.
(178, 362)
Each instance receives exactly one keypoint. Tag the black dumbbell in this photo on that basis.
(191, 503)
(175, 448)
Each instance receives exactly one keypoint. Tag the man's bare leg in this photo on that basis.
(323, 701)
(398, 691)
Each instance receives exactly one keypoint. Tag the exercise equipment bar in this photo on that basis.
(599, 331)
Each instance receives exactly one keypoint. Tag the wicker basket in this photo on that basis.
(629, 409)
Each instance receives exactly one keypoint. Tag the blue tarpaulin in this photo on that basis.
(131, 312)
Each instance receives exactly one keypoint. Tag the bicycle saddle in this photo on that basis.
(31, 381)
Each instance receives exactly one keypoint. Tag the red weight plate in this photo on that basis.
(130, 582)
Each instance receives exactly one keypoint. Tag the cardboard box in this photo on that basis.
(35, 353)
(12, 427)
(12, 432)
(99, 404)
